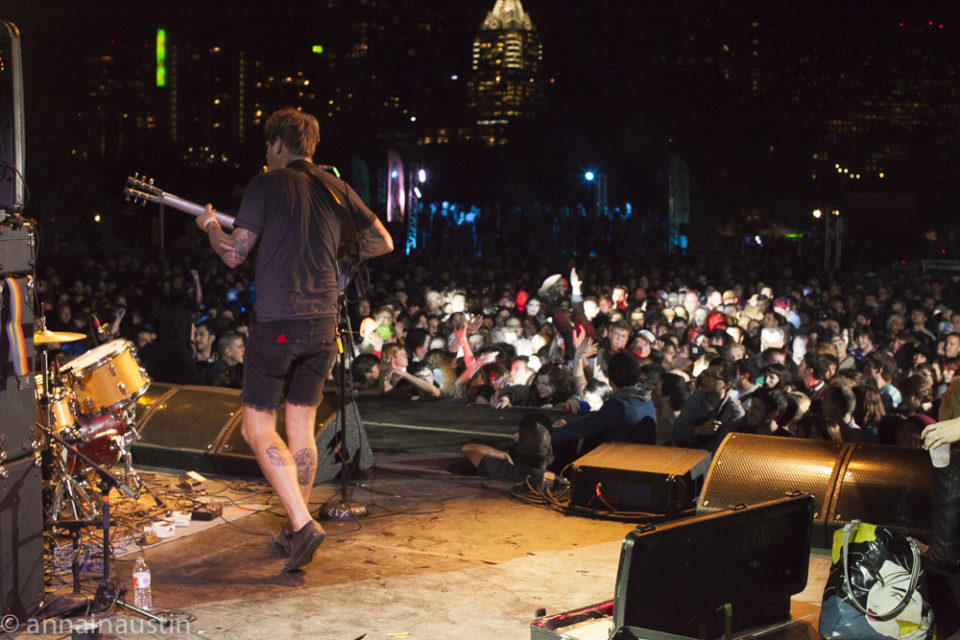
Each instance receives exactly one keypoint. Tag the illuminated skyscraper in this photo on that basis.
(505, 85)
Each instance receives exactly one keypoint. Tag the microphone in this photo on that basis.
(130, 493)
(101, 334)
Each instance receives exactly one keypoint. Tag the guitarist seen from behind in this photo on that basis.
(298, 215)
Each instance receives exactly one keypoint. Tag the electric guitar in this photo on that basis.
(141, 189)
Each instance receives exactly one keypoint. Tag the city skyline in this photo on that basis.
(761, 99)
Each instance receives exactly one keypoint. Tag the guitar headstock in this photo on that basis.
(140, 189)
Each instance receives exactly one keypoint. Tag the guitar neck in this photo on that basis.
(194, 209)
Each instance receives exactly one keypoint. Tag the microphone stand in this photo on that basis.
(107, 595)
(344, 509)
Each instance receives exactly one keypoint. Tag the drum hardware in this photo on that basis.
(71, 493)
(76, 598)
(107, 595)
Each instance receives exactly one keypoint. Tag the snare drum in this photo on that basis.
(106, 378)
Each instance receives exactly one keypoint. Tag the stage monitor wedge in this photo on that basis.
(628, 477)
(199, 428)
(12, 158)
(748, 469)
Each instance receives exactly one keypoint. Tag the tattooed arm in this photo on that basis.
(375, 241)
(232, 248)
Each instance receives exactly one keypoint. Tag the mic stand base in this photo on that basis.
(343, 510)
(108, 596)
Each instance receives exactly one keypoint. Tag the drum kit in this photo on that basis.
(88, 403)
(86, 408)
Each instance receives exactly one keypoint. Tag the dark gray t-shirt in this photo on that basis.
(298, 224)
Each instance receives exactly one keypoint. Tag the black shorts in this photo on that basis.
(288, 360)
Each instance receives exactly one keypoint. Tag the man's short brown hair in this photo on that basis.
(298, 131)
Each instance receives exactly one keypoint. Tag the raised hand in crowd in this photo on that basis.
(585, 348)
(576, 284)
(475, 366)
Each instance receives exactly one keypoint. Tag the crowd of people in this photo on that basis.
(673, 351)
(673, 354)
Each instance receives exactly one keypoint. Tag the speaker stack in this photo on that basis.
(11, 121)
(21, 501)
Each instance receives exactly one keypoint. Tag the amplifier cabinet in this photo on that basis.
(18, 246)
(21, 537)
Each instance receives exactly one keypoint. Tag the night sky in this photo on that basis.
(610, 108)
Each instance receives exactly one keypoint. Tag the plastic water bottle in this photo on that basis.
(142, 593)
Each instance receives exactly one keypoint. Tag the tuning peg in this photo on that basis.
(151, 182)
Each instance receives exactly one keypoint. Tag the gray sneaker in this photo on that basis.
(303, 545)
(282, 539)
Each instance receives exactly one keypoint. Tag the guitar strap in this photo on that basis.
(349, 248)
(18, 344)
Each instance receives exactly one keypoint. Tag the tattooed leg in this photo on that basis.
(299, 422)
(276, 462)
(306, 460)
(279, 455)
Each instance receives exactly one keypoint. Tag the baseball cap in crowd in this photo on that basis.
(552, 289)
(716, 319)
(647, 335)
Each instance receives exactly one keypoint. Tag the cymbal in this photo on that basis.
(49, 337)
